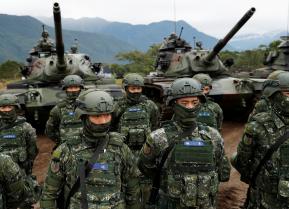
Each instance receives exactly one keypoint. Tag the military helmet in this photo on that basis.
(132, 79)
(72, 80)
(204, 79)
(283, 79)
(94, 102)
(9, 100)
(270, 87)
(184, 87)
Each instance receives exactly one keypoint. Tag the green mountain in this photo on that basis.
(140, 36)
(18, 34)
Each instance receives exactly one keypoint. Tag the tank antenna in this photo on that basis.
(181, 32)
(43, 28)
(175, 18)
(287, 18)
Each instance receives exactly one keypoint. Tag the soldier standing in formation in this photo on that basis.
(135, 117)
(62, 120)
(210, 114)
(262, 155)
(279, 82)
(108, 176)
(18, 138)
(194, 156)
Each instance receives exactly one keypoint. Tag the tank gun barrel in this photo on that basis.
(222, 42)
(58, 37)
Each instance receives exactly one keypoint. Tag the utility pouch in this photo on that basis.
(283, 188)
(188, 197)
(22, 156)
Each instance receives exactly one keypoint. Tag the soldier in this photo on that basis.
(210, 112)
(45, 44)
(14, 192)
(262, 154)
(193, 154)
(62, 120)
(17, 137)
(101, 163)
(134, 114)
(279, 82)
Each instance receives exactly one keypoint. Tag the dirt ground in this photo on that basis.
(232, 193)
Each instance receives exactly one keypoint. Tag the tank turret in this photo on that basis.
(41, 88)
(199, 60)
(232, 94)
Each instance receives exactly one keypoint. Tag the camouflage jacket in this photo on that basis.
(196, 158)
(13, 189)
(112, 183)
(63, 123)
(211, 114)
(135, 121)
(263, 105)
(260, 133)
(19, 141)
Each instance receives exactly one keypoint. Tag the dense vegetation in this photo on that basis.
(9, 70)
(143, 62)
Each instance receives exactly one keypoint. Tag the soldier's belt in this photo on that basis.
(192, 168)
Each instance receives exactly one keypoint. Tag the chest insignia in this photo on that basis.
(100, 166)
(9, 136)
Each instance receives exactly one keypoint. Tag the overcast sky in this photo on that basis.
(214, 17)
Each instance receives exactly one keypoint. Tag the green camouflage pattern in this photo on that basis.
(272, 183)
(18, 140)
(211, 114)
(112, 185)
(63, 124)
(263, 105)
(188, 181)
(135, 121)
(13, 189)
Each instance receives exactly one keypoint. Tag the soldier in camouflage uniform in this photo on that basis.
(211, 114)
(135, 116)
(196, 162)
(62, 120)
(270, 186)
(45, 44)
(14, 192)
(17, 137)
(113, 179)
(279, 82)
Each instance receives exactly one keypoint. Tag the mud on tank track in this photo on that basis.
(231, 194)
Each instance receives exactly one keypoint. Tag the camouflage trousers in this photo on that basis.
(145, 189)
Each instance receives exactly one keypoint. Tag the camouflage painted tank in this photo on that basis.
(275, 60)
(182, 61)
(46, 66)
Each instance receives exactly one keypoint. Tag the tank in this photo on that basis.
(275, 60)
(233, 94)
(40, 89)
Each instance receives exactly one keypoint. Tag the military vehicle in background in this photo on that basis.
(176, 59)
(46, 66)
(274, 60)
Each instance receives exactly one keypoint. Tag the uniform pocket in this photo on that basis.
(283, 188)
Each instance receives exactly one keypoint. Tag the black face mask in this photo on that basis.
(72, 95)
(134, 97)
(185, 116)
(95, 131)
(8, 117)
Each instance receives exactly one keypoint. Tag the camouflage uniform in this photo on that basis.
(210, 114)
(113, 180)
(13, 189)
(17, 137)
(62, 121)
(271, 188)
(197, 162)
(135, 116)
